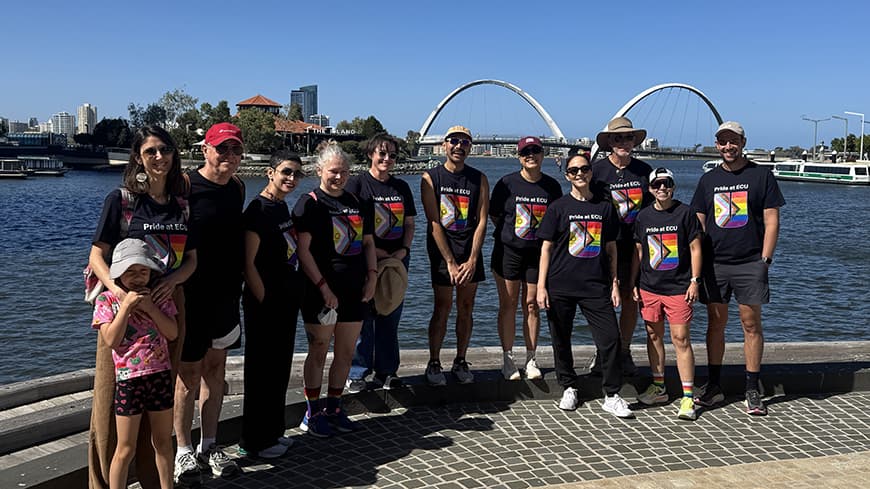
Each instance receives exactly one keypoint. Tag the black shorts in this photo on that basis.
(212, 322)
(347, 289)
(440, 276)
(624, 252)
(516, 264)
(748, 282)
(152, 392)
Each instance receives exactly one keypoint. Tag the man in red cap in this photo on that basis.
(212, 295)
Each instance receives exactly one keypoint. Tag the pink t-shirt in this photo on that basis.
(143, 350)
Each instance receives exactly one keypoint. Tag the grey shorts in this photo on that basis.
(748, 282)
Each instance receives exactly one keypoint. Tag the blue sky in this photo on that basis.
(765, 64)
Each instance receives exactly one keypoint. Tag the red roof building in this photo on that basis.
(297, 127)
(260, 102)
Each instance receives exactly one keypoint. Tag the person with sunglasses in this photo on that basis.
(271, 300)
(150, 205)
(518, 203)
(337, 254)
(738, 205)
(578, 268)
(668, 242)
(456, 201)
(217, 197)
(392, 205)
(623, 179)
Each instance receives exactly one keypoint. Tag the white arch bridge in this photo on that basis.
(558, 138)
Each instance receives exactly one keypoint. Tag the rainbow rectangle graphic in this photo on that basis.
(585, 239)
(528, 219)
(389, 219)
(454, 211)
(627, 202)
(731, 209)
(347, 234)
(663, 251)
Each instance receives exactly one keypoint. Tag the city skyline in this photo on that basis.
(766, 65)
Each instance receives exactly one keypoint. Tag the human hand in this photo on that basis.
(543, 298)
(329, 299)
(692, 293)
(615, 297)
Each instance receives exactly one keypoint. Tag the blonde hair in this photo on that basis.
(328, 151)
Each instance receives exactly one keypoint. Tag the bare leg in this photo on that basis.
(346, 335)
(531, 316)
(438, 322)
(685, 356)
(655, 345)
(128, 431)
(319, 337)
(717, 318)
(464, 317)
(186, 387)
(753, 337)
(508, 298)
(161, 439)
(211, 391)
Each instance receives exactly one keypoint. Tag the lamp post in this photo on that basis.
(845, 134)
(815, 131)
(860, 151)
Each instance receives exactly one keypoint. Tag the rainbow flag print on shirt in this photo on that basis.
(454, 211)
(347, 234)
(528, 219)
(663, 251)
(389, 219)
(585, 239)
(731, 209)
(627, 202)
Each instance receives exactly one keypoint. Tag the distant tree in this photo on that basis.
(258, 131)
(153, 114)
(174, 104)
(356, 125)
(4, 128)
(84, 139)
(371, 126)
(293, 112)
(211, 115)
(353, 149)
(112, 133)
(185, 132)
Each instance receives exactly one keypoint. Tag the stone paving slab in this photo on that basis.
(532, 443)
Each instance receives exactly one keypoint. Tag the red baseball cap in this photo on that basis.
(222, 131)
(529, 141)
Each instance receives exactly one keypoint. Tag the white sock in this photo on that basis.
(183, 449)
(205, 443)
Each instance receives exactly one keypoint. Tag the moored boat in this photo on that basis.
(42, 166)
(12, 169)
(854, 173)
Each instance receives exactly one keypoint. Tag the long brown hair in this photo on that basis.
(175, 184)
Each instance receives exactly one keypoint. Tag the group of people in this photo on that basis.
(177, 252)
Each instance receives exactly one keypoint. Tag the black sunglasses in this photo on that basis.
(574, 170)
(619, 138)
(459, 141)
(384, 154)
(665, 182)
(289, 172)
(531, 150)
(163, 150)
(234, 149)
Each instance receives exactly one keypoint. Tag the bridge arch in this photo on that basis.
(510, 86)
(649, 91)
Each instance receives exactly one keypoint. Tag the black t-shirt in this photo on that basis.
(666, 260)
(517, 207)
(390, 203)
(276, 259)
(337, 226)
(458, 197)
(733, 204)
(628, 189)
(163, 226)
(579, 230)
(216, 223)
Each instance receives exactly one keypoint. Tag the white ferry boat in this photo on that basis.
(855, 173)
(12, 169)
(43, 166)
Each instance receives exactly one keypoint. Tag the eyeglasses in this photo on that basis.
(459, 142)
(725, 142)
(233, 149)
(574, 170)
(289, 172)
(384, 154)
(621, 138)
(163, 150)
(531, 150)
(663, 183)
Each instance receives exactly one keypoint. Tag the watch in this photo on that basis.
(695, 280)
(767, 260)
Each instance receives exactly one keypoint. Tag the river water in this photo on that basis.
(818, 280)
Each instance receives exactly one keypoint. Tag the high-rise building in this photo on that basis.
(18, 126)
(64, 123)
(34, 122)
(319, 119)
(45, 126)
(306, 97)
(87, 118)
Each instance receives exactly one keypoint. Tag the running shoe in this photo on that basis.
(341, 422)
(754, 405)
(532, 370)
(274, 451)
(569, 400)
(709, 395)
(687, 409)
(353, 386)
(509, 369)
(434, 375)
(286, 441)
(218, 461)
(316, 425)
(653, 395)
(617, 406)
(461, 371)
(186, 472)
(389, 382)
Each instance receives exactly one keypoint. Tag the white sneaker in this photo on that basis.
(186, 471)
(220, 463)
(617, 406)
(569, 400)
(434, 375)
(532, 370)
(353, 386)
(509, 368)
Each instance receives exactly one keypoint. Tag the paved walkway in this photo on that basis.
(813, 441)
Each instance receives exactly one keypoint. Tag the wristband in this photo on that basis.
(321, 282)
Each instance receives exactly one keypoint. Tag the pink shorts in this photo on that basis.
(655, 308)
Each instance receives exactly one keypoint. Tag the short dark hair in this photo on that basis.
(373, 143)
(582, 153)
(283, 155)
(175, 185)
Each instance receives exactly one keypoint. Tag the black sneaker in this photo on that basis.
(754, 405)
(629, 369)
(709, 395)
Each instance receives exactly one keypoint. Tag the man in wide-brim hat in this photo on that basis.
(625, 181)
